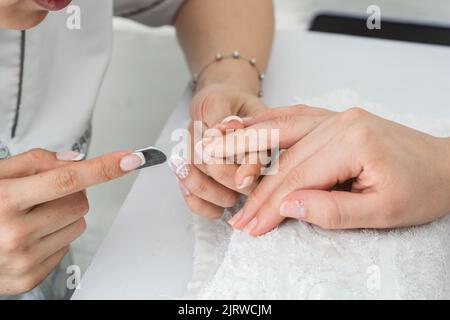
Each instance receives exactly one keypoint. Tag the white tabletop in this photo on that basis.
(148, 251)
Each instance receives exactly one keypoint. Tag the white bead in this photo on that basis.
(219, 57)
(253, 61)
(236, 54)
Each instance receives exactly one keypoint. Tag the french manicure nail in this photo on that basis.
(246, 182)
(179, 166)
(69, 156)
(132, 161)
(232, 118)
(251, 225)
(235, 218)
(293, 209)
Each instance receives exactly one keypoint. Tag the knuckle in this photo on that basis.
(220, 173)
(82, 204)
(330, 221)
(24, 263)
(67, 181)
(8, 201)
(199, 188)
(287, 159)
(231, 199)
(361, 134)
(107, 171)
(283, 122)
(195, 204)
(37, 154)
(354, 113)
(295, 180)
(81, 226)
(13, 239)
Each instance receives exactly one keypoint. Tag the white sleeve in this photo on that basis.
(149, 12)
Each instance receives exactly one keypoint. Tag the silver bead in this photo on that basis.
(219, 57)
(253, 61)
(261, 76)
(236, 54)
(260, 93)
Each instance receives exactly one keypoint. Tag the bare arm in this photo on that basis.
(207, 27)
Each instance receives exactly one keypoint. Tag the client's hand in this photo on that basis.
(396, 176)
(209, 187)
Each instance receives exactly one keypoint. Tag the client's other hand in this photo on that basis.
(397, 176)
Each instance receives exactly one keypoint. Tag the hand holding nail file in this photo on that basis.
(46, 206)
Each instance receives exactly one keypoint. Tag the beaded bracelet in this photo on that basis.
(233, 55)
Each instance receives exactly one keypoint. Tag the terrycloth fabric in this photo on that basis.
(301, 261)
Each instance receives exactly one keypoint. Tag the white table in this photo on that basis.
(148, 251)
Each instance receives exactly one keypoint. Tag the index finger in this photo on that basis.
(60, 182)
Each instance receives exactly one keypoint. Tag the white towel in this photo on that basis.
(301, 261)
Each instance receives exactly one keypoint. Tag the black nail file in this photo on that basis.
(152, 157)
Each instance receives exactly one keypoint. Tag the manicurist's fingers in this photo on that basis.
(52, 216)
(35, 161)
(74, 177)
(50, 244)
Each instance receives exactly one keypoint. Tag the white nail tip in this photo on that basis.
(141, 156)
(80, 157)
(231, 118)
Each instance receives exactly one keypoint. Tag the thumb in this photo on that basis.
(35, 161)
(333, 209)
(210, 108)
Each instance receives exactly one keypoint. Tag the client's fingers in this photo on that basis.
(200, 206)
(297, 110)
(248, 172)
(201, 185)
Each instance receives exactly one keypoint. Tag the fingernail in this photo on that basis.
(132, 161)
(246, 182)
(235, 218)
(251, 225)
(232, 118)
(179, 166)
(247, 119)
(70, 156)
(293, 209)
(184, 190)
(201, 152)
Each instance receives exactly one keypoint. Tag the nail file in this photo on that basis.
(152, 157)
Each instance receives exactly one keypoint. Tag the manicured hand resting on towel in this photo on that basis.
(398, 176)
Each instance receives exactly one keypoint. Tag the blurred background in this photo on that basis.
(147, 76)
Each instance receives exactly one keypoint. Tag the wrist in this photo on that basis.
(236, 72)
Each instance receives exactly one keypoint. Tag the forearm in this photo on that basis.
(208, 27)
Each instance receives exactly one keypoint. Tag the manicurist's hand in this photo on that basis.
(42, 207)
(395, 176)
(206, 28)
(208, 187)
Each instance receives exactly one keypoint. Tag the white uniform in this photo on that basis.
(49, 81)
